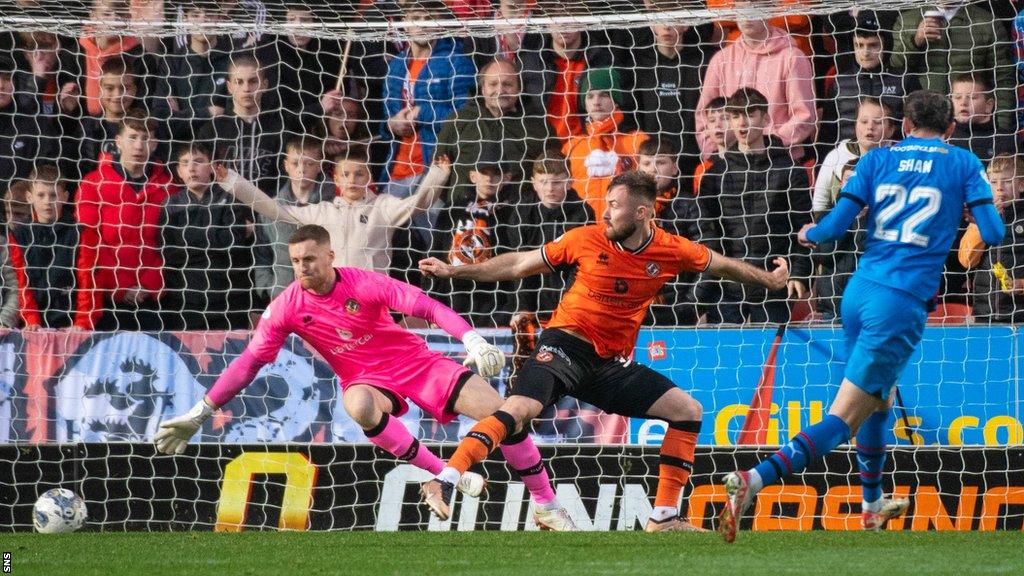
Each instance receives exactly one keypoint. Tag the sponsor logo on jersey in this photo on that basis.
(351, 306)
(653, 269)
(621, 286)
(657, 350)
(547, 352)
(307, 319)
(602, 258)
(343, 334)
(352, 345)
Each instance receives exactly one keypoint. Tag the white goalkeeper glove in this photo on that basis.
(488, 359)
(175, 433)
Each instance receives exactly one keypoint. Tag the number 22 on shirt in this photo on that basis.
(895, 223)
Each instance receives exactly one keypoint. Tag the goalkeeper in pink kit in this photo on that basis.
(345, 314)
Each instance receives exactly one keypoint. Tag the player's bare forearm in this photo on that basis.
(739, 271)
(508, 266)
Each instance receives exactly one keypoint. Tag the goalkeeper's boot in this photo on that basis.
(738, 499)
(673, 524)
(891, 508)
(555, 520)
(437, 495)
(471, 484)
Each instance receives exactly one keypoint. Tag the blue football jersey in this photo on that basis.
(915, 193)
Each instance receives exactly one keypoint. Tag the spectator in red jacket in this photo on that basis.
(43, 253)
(119, 206)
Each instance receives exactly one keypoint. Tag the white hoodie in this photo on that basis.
(360, 231)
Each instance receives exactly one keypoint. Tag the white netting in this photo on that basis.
(336, 111)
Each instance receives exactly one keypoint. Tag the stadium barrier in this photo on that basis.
(320, 487)
(961, 388)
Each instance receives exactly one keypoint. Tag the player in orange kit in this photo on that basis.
(586, 349)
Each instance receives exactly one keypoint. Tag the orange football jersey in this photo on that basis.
(614, 286)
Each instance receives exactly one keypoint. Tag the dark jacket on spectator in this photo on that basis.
(519, 136)
(468, 234)
(983, 140)
(44, 257)
(253, 149)
(120, 236)
(24, 139)
(531, 225)
(843, 96)
(677, 214)
(196, 81)
(539, 73)
(305, 74)
(751, 207)
(990, 303)
(834, 264)
(666, 92)
(30, 91)
(208, 260)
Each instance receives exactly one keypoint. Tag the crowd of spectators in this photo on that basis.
(151, 183)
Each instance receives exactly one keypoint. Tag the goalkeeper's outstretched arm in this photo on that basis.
(508, 266)
(174, 434)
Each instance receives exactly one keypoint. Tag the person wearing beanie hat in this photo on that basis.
(611, 142)
(603, 79)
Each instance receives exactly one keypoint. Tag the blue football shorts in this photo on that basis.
(883, 327)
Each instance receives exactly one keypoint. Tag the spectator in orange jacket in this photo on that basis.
(611, 142)
(120, 274)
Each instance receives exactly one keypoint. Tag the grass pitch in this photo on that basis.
(518, 554)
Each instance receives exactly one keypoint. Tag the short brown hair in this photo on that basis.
(977, 78)
(550, 162)
(247, 60)
(716, 103)
(304, 143)
(640, 186)
(356, 153)
(1013, 162)
(746, 100)
(137, 119)
(193, 147)
(313, 232)
(119, 66)
(46, 172)
(658, 146)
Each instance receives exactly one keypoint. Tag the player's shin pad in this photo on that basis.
(481, 440)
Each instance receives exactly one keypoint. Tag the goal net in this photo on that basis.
(156, 156)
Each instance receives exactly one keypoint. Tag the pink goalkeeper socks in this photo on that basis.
(392, 436)
(524, 458)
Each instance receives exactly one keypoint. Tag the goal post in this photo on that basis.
(127, 294)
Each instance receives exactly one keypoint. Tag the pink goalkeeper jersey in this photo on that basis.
(352, 328)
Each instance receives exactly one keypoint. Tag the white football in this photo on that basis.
(57, 511)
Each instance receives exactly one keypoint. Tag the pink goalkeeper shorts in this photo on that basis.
(433, 387)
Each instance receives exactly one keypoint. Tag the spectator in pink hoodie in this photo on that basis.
(767, 60)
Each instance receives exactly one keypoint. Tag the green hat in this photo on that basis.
(604, 79)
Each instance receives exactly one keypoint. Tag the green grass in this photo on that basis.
(519, 554)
